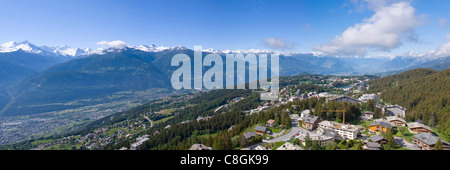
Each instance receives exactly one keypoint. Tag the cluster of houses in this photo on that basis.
(324, 131)
(328, 131)
(424, 139)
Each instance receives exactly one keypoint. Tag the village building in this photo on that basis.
(396, 121)
(270, 123)
(380, 126)
(289, 146)
(418, 127)
(199, 118)
(322, 136)
(343, 98)
(249, 135)
(259, 147)
(372, 146)
(396, 110)
(310, 122)
(344, 131)
(377, 139)
(367, 97)
(325, 94)
(304, 113)
(221, 108)
(368, 114)
(427, 141)
(260, 130)
(139, 141)
(199, 147)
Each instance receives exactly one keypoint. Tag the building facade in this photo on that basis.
(344, 131)
(419, 127)
(310, 122)
(427, 141)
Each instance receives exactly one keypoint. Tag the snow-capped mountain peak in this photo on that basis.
(151, 48)
(26, 46)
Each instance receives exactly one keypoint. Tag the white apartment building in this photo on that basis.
(343, 130)
(367, 97)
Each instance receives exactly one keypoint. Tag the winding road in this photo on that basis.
(295, 129)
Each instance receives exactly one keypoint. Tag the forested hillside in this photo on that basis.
(384, 83)
(424, 92)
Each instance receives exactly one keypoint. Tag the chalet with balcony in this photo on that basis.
(379, 126)
(419, 127)
(396, 121)
(270, 123)
(427, 141)
(260, 130)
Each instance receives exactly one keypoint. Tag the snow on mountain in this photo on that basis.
(67, 51)
(151, 48)
(26, 46)
(76, 52)
(240, 51)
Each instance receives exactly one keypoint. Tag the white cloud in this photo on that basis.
(114, 44)
(277, 43)
(382, 32)
(442, 22)
(442, 51)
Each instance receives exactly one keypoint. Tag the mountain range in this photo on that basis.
(41, 79)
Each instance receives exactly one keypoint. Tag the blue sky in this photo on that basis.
(299, 25)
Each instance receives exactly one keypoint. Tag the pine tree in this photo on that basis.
(377, 113)
(390, 138)
(333, 148)
(438, 145)
(342, 144)
(359, 145)
(308, 141)
(227, 141)
(315, 145)
(209, 141)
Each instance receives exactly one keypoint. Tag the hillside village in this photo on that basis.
(380, 128)
(369, 134)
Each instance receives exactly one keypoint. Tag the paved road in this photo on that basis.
(277, 134)
(405, 144)
(151, 122)
(295, 130)
(285, 137)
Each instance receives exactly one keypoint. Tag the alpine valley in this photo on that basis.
(57, 90)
